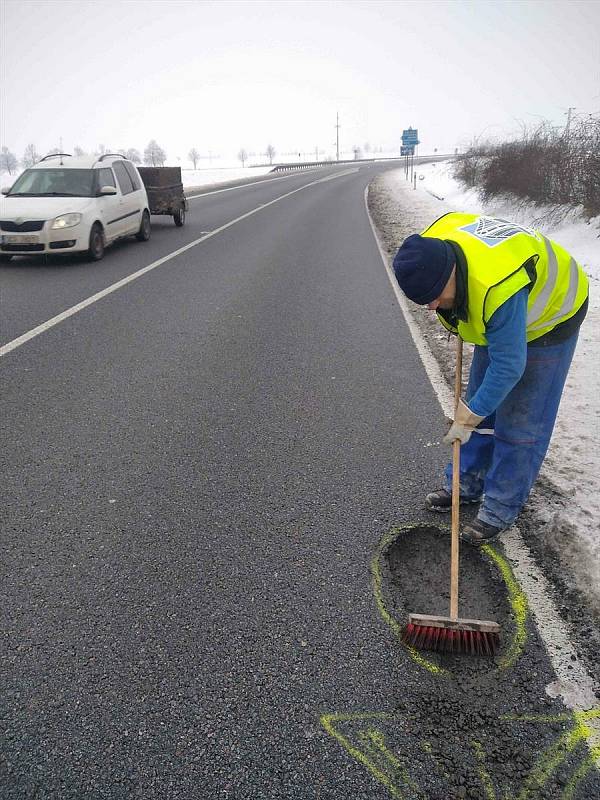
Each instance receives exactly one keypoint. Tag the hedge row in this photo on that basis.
(545, 166)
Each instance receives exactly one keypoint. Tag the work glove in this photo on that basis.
(462, 426)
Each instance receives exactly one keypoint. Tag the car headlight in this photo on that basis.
(66, 221)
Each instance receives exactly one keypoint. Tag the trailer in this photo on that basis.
(164, 188)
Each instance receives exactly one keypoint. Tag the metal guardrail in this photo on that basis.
(311, 164)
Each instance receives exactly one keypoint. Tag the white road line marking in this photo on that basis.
(338, 174)
(574, 684)
(69, 312)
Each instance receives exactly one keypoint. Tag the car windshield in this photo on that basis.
(54, 183)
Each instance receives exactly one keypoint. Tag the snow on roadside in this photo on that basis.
(570, 525)
(211, 177)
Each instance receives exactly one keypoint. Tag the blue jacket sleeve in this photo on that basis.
(507, 352)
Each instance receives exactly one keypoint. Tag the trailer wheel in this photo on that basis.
(179, 217)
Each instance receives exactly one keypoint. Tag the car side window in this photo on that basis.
(133, 175)
(123, 177)
(106, 178)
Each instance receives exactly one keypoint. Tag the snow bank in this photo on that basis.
(571, 523)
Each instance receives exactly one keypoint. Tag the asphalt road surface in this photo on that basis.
(213, 521)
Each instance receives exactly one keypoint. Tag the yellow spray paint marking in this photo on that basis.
(518, 603)
(586, 766)
(557, 753)
(484, 775)
(369, 747)
(516, 599)
(329, 722)
(551, 760)
(374, 742)
(385, 541)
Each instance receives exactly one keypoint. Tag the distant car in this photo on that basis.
(67, 205)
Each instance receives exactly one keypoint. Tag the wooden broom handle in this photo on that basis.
(454, 552)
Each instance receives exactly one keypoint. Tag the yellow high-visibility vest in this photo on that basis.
(502, 258)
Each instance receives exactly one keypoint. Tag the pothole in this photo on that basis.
(417, 580)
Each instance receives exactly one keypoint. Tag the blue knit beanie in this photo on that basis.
(423, 267)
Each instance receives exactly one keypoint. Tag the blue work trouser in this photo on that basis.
(503, 465)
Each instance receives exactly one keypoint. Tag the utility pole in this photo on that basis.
(337, 136)
(568, 125)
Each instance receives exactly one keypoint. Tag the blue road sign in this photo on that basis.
(410, 136)
(407, 150)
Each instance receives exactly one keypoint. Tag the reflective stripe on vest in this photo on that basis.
(539, 306)
(537, 309)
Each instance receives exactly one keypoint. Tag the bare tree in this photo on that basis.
(30, 156)
(270, 153)
(154, 155)
(78, 151)
(194, 156)
(8, 161)
(133, 155)
(242, 156)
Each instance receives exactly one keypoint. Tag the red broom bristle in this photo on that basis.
(449, 640)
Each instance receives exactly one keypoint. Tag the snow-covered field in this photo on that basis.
(211, 177)
(190, 177)
(571, 524)
(221, 171)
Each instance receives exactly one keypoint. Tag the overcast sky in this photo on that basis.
(224, 75)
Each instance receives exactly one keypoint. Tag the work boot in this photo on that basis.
(479, 532)
(442, 500)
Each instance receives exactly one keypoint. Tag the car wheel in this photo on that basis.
(96, 248)
(144, 232)
(5, 258)
(179, 217)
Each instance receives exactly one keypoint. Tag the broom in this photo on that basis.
(451, 634)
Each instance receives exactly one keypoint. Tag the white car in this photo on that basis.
(73, 205)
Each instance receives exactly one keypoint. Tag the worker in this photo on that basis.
(520, 298)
